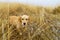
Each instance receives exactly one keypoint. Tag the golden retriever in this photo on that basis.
(19, 20)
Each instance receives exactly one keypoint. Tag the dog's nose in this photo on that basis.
(24, 23)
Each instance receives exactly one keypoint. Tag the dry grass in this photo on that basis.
(45, 22)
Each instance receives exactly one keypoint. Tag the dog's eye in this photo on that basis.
(22, 19)
(26, 19)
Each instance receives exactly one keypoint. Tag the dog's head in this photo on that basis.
(24, 20)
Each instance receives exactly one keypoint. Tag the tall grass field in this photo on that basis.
(44, 24)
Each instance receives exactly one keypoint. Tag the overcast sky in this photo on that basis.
(36, 2)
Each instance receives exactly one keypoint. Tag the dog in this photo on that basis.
(24, 20)
(19, 20)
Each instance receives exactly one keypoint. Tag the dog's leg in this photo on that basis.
(18, 29)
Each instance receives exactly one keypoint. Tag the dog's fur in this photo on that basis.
(18, 20)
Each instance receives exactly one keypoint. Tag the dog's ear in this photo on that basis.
(19, 18)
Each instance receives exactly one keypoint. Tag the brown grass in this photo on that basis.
(45, 22)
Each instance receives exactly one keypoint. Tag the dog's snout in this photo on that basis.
(24, 23)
